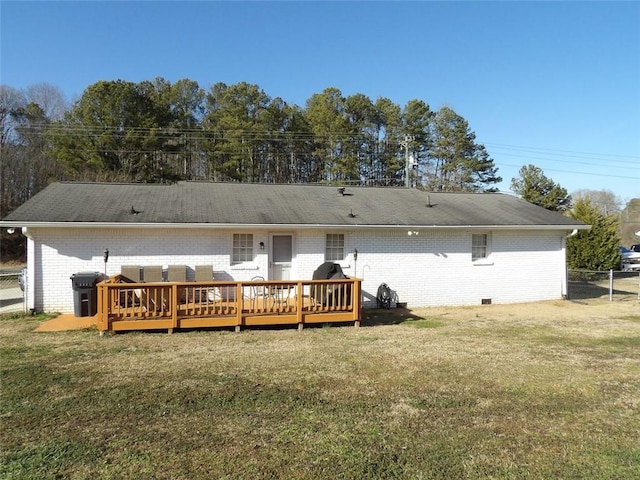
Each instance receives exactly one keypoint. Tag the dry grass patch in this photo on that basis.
(545, 390)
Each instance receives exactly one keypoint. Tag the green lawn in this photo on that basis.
(536, 391)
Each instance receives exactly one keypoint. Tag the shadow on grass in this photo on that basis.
(372, 317)
(582, 290)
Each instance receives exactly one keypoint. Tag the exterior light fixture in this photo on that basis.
(261, 245)
(105, 257)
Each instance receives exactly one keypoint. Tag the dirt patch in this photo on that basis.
(12, 265)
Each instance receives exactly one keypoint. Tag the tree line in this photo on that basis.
(158, 131)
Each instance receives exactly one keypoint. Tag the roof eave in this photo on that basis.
(288, 226)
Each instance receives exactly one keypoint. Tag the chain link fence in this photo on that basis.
(614, 285)
(583, 284)
(12, 297)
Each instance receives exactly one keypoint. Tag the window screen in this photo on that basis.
(479, 246)
(334, 250)
(242, 247)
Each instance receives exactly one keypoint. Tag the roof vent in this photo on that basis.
(341, 190)
(352, 215)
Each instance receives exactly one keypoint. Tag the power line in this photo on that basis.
(202, 132)
(565, 153)
(627, 177)
(180, 135)
(576, 163)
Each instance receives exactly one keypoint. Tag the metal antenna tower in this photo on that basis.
(407, 168)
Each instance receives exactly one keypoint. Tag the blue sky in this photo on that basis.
(554, 84)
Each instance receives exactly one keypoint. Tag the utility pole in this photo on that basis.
(407, 169)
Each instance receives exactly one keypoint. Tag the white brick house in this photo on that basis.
(430, 248)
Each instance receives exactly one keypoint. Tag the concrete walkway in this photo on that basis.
(11, 300)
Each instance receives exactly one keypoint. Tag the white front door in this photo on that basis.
(281, 255)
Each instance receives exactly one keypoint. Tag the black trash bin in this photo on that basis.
(85, 293)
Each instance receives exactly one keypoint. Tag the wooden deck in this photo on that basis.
(176, 305)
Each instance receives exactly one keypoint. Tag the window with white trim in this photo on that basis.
(480, 247)
(334, 247)
(242, 247)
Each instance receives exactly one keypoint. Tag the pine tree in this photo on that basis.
(595, 249)
(534, 187)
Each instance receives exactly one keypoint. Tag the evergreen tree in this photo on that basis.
(458, 163)
(236, 117)
(326, 114)
(155, 131)
(362, 118)
(109, 129)
(597, 248)
(417, 125)
(534, 187)
(387, 163)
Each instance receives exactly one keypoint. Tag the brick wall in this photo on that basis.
(426, 268)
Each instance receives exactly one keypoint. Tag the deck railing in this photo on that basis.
(175, 305)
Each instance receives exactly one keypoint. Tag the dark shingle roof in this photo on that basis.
(266, 204)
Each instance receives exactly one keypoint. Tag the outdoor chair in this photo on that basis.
(152, 273)
(204, 273)
(258, 294)
(131, 273)
(177, 273)
(151, 298)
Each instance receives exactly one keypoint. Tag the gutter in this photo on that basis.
(288, 226)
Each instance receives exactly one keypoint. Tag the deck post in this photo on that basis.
(300, 305)
(357, 304)
(174, 307)
(239, 305)
(103, 309)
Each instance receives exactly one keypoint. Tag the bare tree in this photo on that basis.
(49, 98)
(605, 200)
(10, 100)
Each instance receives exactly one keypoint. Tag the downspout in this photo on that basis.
(30, 286)
(565, 280)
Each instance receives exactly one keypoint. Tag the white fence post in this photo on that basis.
(611, 285)
(25, 293)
